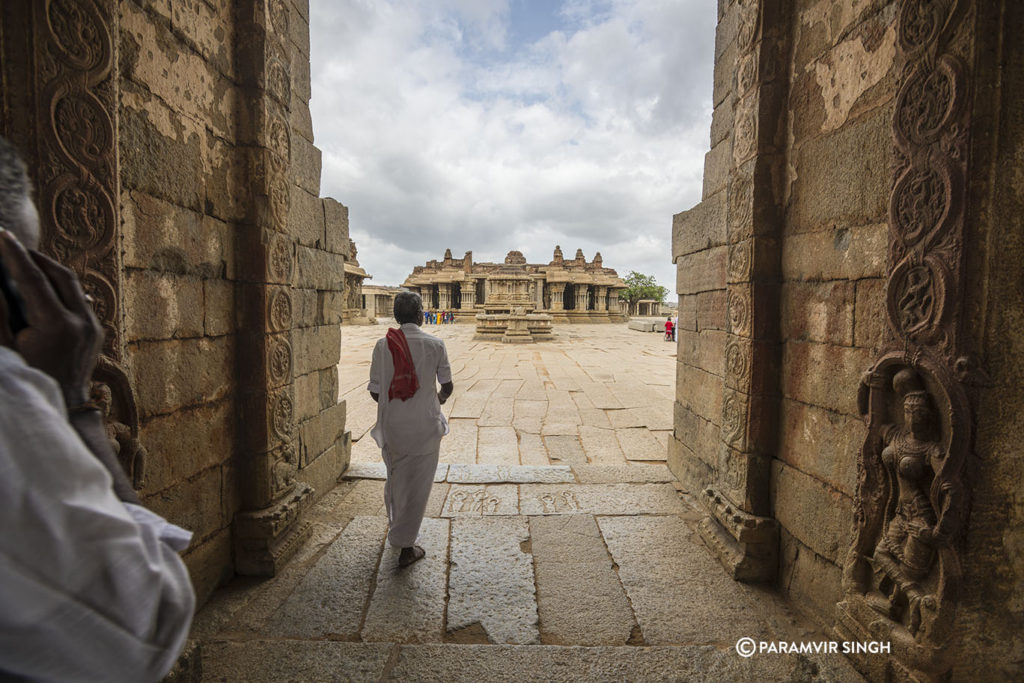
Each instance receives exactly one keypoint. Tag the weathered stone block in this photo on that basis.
(331, 303)
(321, 432)
(725, 34)
(207, 29)
(336, 220)
(300, 79)
(194, 504)
(162, 305)
(319, 269)
(328, 387)
(172, 374)
(816, 514)
(722, 120)
(842, 254)
(723, 76)
(298, 30)
(870, 327)
(700, 228)
(857, 74)
(162, 236)
(700, 436)
(181, 444)
(307, 396)
(305, 218)
(844, 177)
(305, 168)
(822, 443)
(810, 581)
(226, 176)
(162, 62)
(162, 155)
(821, 312)
(688, 312)
(316, 348)
(306, 308)
(704, 350)
(702, 391)
(301, 120)
(711, 309)
(218, 307)
(302, 7)
(717, 164)
(702, 271)
(823, 374)
(692, 472)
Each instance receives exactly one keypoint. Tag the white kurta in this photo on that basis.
(90, 588)
(409, 432)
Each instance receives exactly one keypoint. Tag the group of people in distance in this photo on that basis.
(439, 317)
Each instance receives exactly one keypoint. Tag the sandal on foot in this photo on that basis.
(417, 554)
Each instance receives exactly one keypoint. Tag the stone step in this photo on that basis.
(527, 474)
(257, 661)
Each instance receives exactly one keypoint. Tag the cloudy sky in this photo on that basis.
(491, 125)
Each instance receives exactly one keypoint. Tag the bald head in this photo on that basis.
(17, 212)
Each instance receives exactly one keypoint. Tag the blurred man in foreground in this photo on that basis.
(91, 586)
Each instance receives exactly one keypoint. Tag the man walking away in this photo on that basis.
(406, 364)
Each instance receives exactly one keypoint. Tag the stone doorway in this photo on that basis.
(553, 523)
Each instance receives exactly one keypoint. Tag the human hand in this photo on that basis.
(63, 337)
(441, 397)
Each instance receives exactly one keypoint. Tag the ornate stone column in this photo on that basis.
(738, 526)
(601, 302)
(556, 289)
(444, 296)
(270, 528)
(468, 295)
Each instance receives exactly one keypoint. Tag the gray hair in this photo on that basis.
(14, 186)
(408, 307)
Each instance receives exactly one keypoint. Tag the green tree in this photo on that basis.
(640, 286)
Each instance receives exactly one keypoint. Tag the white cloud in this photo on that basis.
(439, 130)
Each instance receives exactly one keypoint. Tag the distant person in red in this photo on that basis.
(669, 327)
(407, 365)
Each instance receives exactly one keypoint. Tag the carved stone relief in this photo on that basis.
(902, 573)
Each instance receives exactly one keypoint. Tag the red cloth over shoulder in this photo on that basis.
(405, 383)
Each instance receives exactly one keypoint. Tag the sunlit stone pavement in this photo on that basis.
(559, 546)
(597, 394)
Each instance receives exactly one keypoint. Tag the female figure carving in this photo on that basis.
(906, 549)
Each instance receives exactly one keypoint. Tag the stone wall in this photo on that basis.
(782, 281)
(222, 299)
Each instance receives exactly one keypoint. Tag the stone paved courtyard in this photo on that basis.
(559, 545)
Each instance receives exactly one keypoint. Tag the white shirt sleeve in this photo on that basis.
(375, 370)
(86, 592)
(444, 368)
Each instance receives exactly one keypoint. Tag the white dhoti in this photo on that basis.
(409, 432)
(406, 491)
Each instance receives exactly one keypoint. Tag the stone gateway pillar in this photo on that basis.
(849, 370)
(269, 529)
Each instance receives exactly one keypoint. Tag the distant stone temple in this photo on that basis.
(379, 300)
(354, 312)
(571, 291)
